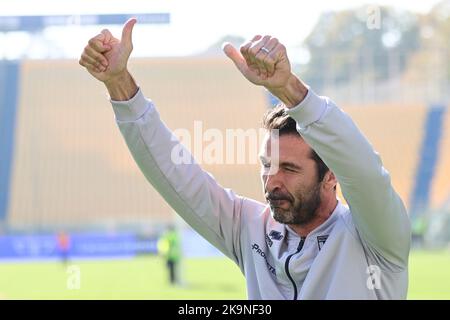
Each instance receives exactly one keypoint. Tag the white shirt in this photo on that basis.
(360, 252)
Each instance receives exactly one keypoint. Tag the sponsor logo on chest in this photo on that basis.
(273, 235)
(321, 241)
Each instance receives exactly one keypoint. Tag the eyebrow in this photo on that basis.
(290, 164)
(282, 164)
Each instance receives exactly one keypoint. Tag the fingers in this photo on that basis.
(92, 70)
(92, 56)
(246, 46)
(257, 55)
(86, 60)
(98, 57)
(89, 63)
(127, 32)
(93, 59)
(262, 55)
(246, 54)
(99, 44)
(267, 57)
(235, 56)
(107, 36)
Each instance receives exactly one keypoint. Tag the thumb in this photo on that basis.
(235, 56)
(127, 33)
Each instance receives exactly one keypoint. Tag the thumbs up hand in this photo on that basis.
(263, 61)
(105, 57)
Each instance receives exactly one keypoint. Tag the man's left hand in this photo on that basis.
(264, 61)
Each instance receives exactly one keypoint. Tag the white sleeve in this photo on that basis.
(214, 212)
(377, 211)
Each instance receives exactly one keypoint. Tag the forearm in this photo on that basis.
(211, 210)
(122, 87)
(293, 93)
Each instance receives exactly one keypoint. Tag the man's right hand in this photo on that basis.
(106, 57)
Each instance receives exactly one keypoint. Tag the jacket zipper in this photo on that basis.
(286, 265)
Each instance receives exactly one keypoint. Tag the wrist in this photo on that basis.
(121, 87)
(292, 93)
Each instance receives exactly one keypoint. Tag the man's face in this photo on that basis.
(292, 190)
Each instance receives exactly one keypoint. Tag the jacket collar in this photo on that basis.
(330, 221)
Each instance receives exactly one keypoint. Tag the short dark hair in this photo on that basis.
(277, 118)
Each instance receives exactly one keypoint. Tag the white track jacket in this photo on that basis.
(360, 252)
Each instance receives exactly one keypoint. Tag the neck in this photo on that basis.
(324, 211)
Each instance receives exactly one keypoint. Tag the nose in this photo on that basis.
(272, 182)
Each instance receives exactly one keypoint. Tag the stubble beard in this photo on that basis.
(300, 211)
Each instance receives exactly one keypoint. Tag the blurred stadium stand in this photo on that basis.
(440, 189)
(70, 168)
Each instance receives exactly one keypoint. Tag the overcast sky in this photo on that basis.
(195, 24)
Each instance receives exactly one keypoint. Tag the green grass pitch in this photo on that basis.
(145, 278)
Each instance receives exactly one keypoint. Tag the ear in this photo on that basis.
(329, 181)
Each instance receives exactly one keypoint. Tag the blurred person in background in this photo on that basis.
(169, 246)
(419, 228)
(63, 246)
